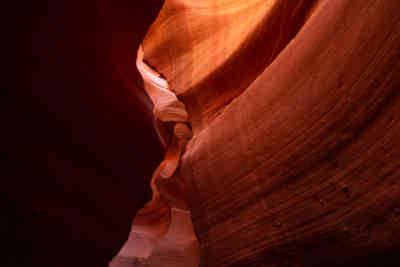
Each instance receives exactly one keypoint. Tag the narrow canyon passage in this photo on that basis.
(294, 107)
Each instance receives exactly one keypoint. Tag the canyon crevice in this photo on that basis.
(294, 108)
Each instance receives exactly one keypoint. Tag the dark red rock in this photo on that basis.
(320, 113)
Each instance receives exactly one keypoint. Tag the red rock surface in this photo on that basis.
(297, 168)
(303, 167)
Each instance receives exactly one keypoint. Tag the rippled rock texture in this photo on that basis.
(295, 158)
(295, 112)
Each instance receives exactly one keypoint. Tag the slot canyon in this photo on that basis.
(294, 114)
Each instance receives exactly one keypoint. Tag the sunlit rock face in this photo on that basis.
(210, 51)
(295, 110)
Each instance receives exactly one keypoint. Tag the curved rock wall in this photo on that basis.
(210, 51)
(303, 167)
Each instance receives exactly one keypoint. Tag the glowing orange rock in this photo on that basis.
(282, 125)
(294, 108)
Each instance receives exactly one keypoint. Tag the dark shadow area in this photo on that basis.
(82, 146)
